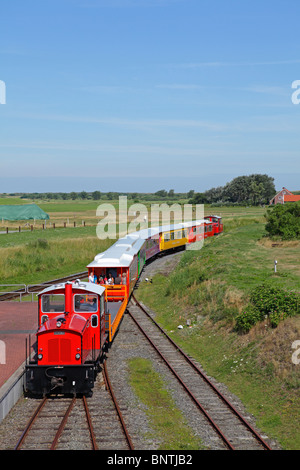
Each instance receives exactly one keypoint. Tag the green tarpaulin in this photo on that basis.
(24, 212)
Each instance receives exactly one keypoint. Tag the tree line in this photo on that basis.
(254, 190)
(97, 195)
(244, 190)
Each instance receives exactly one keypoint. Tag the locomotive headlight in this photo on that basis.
(58, 324)
(40, 357)
(77, 356)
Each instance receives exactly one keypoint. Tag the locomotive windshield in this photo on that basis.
(53, 303)
(85, 303)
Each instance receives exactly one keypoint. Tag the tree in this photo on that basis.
(83, 195)
(283, 220)
(96, 195)
(256, 193)
(199, 198)
(253, 189)
(161, 193)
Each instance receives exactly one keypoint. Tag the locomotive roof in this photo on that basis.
(121, 253)
(78, 284)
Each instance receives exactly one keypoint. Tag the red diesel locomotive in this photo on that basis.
(70, 339)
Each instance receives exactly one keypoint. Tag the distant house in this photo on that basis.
(284, 196)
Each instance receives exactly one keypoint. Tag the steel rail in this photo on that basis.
(30, 423)
(90, 425)
(62, 424)
(202, 409)
(109, 387)
(18, 292)
(64, 421)
(232, 408)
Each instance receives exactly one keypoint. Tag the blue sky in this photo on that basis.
(141, 95)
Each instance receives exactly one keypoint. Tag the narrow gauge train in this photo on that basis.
(77, 321)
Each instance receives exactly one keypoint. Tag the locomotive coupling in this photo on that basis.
(57, 382)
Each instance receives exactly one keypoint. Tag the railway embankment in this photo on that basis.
(198, 303)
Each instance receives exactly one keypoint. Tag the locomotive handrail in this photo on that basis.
(108, 325)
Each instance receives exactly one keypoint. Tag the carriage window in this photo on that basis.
(166, 237)
(172, 236)
(53, 303)
(85, 303)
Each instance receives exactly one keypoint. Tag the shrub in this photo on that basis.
(284, 221)
(268, 301)
(248, 318)
(277, 316)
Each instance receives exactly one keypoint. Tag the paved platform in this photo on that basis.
(18, 320)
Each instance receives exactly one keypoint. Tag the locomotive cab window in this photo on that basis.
(53, 303)
(44, 318)
(85, 303)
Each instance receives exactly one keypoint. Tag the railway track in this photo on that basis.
(62, 423)
(47, 424)
(39, 287)
(230, 427)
